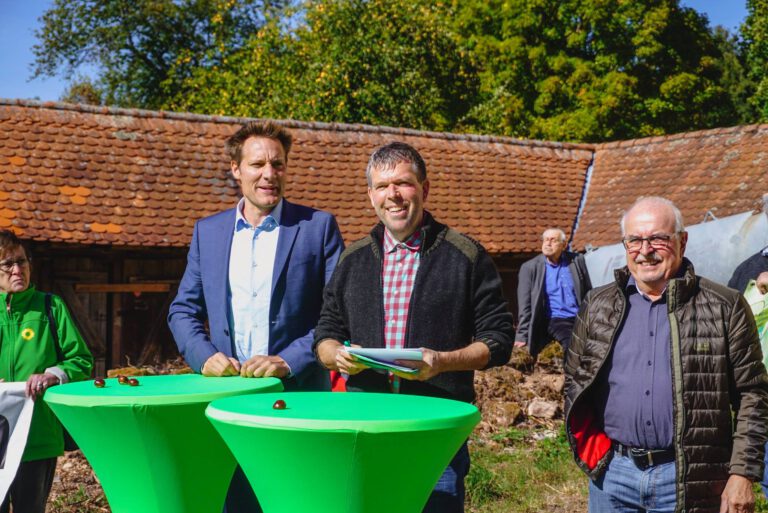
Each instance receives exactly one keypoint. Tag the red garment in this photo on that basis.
(338, 383)
(401, 262)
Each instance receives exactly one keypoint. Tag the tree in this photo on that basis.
(83, 90)
(135, 43)
(568, 70)
(735, 78)
(592, 70)
(387, 62)
(754, 32)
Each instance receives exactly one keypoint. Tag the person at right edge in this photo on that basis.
(666, 395)
(754, 268)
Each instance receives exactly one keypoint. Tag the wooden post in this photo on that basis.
(116, 314)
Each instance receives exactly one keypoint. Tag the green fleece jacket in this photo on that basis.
(27, 347)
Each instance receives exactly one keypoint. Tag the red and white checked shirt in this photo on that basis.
(401, 261)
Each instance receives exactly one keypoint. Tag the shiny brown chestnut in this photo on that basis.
(279, 405)
(133, 382)
(99, 383)
(123, 380)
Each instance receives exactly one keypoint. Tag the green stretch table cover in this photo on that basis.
(343, 452)
(151, 445)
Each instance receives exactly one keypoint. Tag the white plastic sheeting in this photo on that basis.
(15, 416)
(715, 248)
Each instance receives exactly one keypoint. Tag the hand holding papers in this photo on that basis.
(385, 358)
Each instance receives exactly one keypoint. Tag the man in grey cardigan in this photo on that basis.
(550, 289)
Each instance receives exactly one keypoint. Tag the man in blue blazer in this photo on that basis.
(251, 294)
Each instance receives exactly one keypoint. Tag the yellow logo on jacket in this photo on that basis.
(27, 334)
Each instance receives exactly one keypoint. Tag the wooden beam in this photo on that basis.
(122, 287)
(89, 332)
(116, 316)
(151, 344)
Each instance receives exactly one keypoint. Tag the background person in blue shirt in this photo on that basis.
(550, 289)
(252, 291)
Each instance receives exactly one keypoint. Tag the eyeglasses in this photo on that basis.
(660, 241)
(7, 265)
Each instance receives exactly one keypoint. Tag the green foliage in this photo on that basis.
(761, 505)
(735, 78)
(386, 62)
(481, 484)
(513, 436)
(83, 90)
(754, 32)
(592, 70)
(566, 70)
(135, 43)
(78, 500)
(550, 453)
(526, 476)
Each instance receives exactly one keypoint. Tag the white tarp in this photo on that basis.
(15, 417)
(715, 248)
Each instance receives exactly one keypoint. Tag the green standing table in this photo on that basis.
(342, 452)
(151, 445)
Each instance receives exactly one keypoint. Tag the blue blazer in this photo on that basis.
(308, 248)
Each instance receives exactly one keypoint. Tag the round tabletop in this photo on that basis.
(157, 390)
(368, 412)
(151, 445)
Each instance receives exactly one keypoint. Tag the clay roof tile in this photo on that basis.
(121, 175)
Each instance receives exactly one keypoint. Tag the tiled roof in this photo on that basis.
(98, 175)
(722, 171)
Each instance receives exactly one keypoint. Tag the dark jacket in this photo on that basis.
(748, 270)
(717, 371)
(456, 299)
(532, 318)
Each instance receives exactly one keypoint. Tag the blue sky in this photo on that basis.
(18, 20)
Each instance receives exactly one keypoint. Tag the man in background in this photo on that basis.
(749, 269)
(550, 288)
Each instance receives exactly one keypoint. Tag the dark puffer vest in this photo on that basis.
(720, 386)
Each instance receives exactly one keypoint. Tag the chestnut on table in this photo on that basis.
(387, 451)
(150, 444)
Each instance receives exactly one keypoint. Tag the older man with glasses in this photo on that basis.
(666, 393)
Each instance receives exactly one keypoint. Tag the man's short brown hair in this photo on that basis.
(10, 241)
(392, 154)
(268, 129)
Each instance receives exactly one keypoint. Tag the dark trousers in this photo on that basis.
(560, 328)
(240, 496)
(29, 490)
(448, 494)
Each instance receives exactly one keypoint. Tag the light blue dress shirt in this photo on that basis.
(251, 262)
(561, 293)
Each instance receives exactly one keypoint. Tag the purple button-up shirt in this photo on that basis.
(638, 390)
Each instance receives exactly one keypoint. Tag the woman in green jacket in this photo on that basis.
(30, 351)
